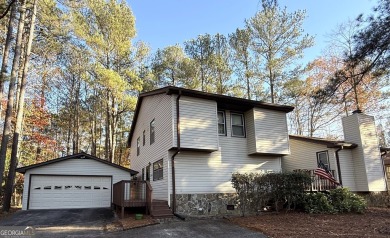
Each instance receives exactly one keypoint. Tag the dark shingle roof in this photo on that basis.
(81, 155)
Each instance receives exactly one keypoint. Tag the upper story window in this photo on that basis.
(158, 170)
(143, 174)
(221, 123)
(152, 128)
(143, 138)
(138, 146)
(238, 127)
(323, 159)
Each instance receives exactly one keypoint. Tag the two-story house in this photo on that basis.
(188, 143)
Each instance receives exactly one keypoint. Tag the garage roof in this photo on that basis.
(81, 155)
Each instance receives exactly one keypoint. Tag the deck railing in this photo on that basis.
(133, 193)
(149, 197)
(318, 183)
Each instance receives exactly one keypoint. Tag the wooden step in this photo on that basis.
(160, 209)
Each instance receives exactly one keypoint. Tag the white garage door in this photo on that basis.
(52, 192)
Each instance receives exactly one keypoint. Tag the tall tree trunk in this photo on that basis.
(11, 92)
(7, 47)
(93, 136)
(108, 129)
(248, 89)
(19, 118)
(21, 69)
(114, 121)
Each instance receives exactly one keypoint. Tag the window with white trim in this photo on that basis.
(138, 146)
(322, 157)
(158, 170)
(152, 134)
(143, 138)
(221, 123)
(238, 127)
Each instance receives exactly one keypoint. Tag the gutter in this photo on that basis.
(177, 152)
(384, 169)
(338, 165)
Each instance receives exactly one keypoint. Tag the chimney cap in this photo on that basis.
(357, 111)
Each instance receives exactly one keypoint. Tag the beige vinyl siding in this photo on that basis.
(303, 155)
(250, 131)
(347, 169)
(159, 108)
(198, 123)
(360, 129)
(271, 131)
(352, 134)
(200, 172)
(75, 167)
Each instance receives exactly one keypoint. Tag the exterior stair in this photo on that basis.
(160, 209)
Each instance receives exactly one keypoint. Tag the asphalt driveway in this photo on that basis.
(92, 223)
(59, 217)
(63, 222)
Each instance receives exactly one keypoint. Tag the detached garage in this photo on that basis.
(75, 181)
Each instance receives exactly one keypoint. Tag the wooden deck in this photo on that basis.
(132, 193)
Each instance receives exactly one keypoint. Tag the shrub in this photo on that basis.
(381, 199)
(317, 203)
(257, 190)
(344, 200)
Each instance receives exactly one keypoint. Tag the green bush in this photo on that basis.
(381, 199)
(317, 203)
(258, 190)
(344, 200)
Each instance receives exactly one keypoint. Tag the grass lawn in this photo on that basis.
(375, 222)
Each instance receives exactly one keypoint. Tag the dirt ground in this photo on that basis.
(12, 210)
(375, 222)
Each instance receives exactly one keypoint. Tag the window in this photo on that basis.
(87, 187)
(138, 146)
(323, 158)
(57, 187)
(148, 173)
(221, 123)
(152, 127)
(158, 170)
(96, 187)
(143, 138)
(47, 187)
(238, 128)
(143, 174)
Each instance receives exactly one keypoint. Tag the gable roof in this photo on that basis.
(81, 155)
(223, 101)
(329, 143)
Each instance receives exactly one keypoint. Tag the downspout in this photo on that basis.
(384, 170)
(177, 152)
(338, 165)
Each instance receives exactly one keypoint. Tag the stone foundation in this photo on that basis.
(209, 204)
